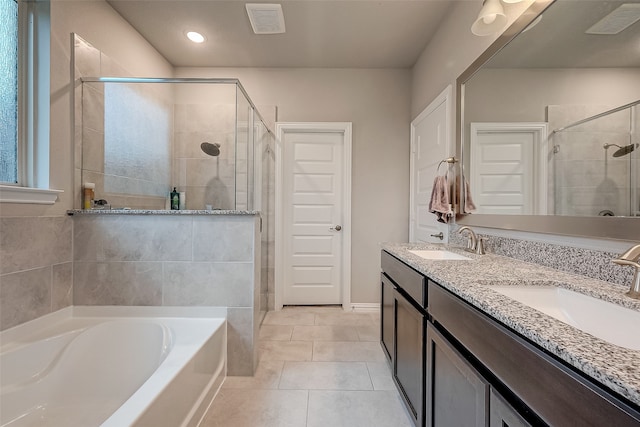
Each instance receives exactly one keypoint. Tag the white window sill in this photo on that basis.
(38, 196)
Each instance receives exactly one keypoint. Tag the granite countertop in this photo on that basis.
(158, 212)
(614, 367)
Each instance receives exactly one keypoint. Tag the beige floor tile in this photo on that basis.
(347, 351)
(380, 374)
(286, 350)
(325, 376)
(267, 376)
(356, 409)
(324, 333)
(276, 332)
(315, 309)
(258, 408)
(289, 317)
(346, 319)
(369, 333)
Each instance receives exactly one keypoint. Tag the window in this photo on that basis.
(9, 92)
(24, 102)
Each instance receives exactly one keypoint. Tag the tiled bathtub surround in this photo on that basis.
(36, 272)
(586, 262)
(174, 260)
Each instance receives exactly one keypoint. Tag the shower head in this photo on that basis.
(210, 149)
(621, 151)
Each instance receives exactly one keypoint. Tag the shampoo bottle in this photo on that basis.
(175, 199)
(88, 195)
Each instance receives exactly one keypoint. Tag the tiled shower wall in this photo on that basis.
(175, 260)
(586, 179)
(206, 180)
(123, 134)
(36, 268)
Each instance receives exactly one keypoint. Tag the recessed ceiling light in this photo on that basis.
(195, 37)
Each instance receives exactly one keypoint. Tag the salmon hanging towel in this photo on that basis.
(440, 203)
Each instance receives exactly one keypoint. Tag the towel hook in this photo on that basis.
(449, 160)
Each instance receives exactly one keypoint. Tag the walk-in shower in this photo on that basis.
(143, 136)
(589, 180)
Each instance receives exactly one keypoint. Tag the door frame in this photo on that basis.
(444, 97)
(345, 128)
(540, 155)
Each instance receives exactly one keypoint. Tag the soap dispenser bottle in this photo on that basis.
(175, 199)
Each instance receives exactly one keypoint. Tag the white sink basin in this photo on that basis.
(439, 255)
(607, 321)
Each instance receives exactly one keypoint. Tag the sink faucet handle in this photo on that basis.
(480, 246)
(631, 258)
(473, 239)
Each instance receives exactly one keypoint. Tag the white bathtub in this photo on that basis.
(112, 367)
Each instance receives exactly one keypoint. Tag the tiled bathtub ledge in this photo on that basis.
(615, 367)
(157, 212)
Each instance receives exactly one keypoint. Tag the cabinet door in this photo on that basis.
(457, 394)
(387, 332)
(410, 353)
(501, 414)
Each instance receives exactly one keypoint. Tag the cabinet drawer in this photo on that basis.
(408, 279)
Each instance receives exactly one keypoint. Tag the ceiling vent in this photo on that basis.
(266, 18)
(615, 22)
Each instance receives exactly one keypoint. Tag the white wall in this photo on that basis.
(377, 102)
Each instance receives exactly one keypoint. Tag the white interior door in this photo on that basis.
(508, 173)
(430, 143)
(315, 219)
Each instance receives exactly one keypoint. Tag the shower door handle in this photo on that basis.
(336, 228)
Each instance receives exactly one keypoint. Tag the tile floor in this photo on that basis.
(319, 366)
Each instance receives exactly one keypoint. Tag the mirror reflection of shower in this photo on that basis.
(622, 150)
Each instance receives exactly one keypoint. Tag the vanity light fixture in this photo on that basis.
(490, 20)
(195, 37)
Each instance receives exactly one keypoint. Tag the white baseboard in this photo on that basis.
(365, 307)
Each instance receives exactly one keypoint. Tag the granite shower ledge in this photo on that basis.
(73, 212)
(616, 368)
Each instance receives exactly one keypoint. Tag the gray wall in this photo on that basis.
(35, 268)
(174, 260)
(377, 102)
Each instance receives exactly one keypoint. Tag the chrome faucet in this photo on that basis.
(474, 243)
(631, 257)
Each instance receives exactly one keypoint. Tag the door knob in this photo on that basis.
(336, 228)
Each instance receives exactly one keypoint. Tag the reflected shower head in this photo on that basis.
(210, 149)
(621, 151)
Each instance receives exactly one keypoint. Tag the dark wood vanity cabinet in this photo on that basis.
(546, 390)
(403, 331)
(387, 332)
(455, 366)
(457, 395)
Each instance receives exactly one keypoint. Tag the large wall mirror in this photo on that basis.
(549, 122)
